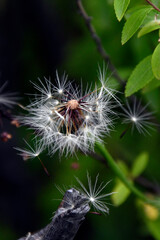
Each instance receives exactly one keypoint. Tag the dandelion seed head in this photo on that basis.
(67, 120)
(72, 104)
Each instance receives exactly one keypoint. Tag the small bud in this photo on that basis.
(5, 136)
(75, 166)
(151, 212)
(15, 123)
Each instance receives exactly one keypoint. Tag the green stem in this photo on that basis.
(115, 168)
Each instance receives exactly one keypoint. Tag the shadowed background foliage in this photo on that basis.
(36, 38)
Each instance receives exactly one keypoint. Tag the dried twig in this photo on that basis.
(98, 42)
(155, 188)
(150, 3)
(66, 220)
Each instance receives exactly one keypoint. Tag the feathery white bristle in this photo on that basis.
(30, 152)
(137, 116)
(7, 99)
(95, 194)
(67, 120)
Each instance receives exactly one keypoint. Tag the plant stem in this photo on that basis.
(154, 6)
(113, 165)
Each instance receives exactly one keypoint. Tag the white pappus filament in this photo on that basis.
(95, 194)
(31, 152)
(65, 119)
(137, 116)
(7, 99)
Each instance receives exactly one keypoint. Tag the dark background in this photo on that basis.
(36, 38)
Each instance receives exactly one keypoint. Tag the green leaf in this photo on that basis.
(124, 168)
(151, 85)
(120, 8)
(152, 16)
(151, 218)
(149, 27)
(140, 76)
(134, 9)
(140, 164)
(134, 22)
(121, 193)
(153, 227)
(156, 3)
(156, 62)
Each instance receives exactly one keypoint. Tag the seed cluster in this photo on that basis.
(67, 120)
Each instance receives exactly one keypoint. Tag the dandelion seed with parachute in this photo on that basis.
(137, 117)
(95, 194)
(31, 152)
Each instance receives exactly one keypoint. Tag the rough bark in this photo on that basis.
(67, 219)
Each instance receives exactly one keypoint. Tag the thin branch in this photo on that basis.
(67, 219)
(155, 188)
(150, 3)
(98, 42)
